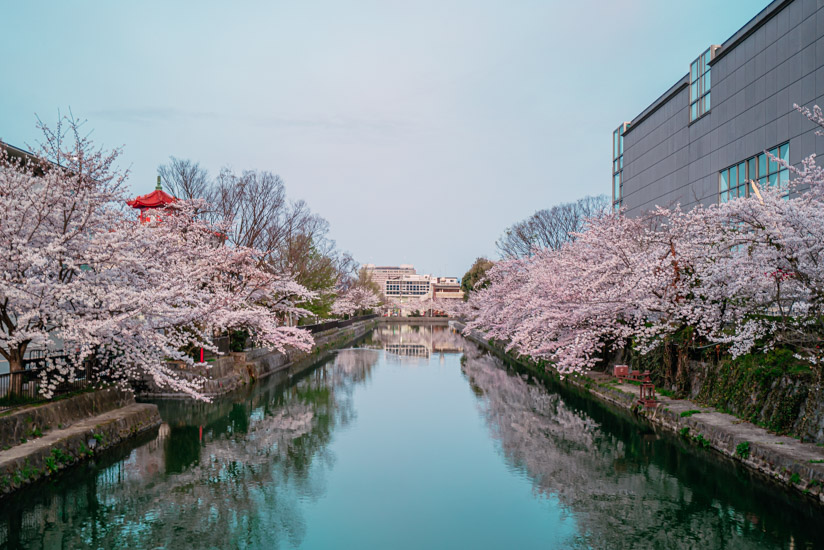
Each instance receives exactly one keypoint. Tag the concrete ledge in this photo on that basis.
(19, 423)
(59, 449)
(783, 459)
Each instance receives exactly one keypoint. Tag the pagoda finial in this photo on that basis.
(159, 187)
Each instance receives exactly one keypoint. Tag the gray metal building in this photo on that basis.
(705, 136)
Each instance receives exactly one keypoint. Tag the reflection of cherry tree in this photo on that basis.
(257, 469)
(617, 500)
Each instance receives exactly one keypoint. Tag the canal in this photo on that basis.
(414, 439)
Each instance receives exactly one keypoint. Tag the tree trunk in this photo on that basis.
(682, 379)
(15, 372)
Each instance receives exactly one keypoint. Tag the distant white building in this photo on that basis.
(380, 274)
(408, 286)
(403, 283)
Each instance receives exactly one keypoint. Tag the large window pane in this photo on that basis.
(733, 175)
(742, 173)
(707, 102)
(773, 166)
(694, 111)
(785, 153)
(693, 70)
(784, 178)
(762, 165)
(724, 181)
(751, 174)
(694, 91)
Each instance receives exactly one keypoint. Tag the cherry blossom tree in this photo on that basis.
(355, 299)
(77, 268)
(746, 275)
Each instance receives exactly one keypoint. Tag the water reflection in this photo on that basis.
(366, 446)
(629, 487)
(217, 481)
(416, 340)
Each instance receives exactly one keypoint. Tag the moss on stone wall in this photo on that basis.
(768, 389)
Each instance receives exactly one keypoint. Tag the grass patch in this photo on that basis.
(819, 461)
(689, 413)
(701, 440)
(742, 450)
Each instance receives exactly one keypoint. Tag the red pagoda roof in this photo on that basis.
(155, 199)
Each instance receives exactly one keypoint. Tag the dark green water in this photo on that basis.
(427, 443)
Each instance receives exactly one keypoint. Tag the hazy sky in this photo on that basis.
(420, 129)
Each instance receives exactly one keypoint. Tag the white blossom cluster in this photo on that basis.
(77, 267)
(746, 274)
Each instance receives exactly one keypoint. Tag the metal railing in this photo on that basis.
(23, 387)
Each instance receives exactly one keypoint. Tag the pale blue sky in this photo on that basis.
(420, 130)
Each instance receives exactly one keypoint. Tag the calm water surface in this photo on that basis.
(415, 440)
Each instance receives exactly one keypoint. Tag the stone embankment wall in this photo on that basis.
(768, 396)
(797, 465)
(40, 440)
(236, 370)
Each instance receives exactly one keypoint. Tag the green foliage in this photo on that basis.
(15, 399)
(684, 432)
(476, 274)
(818, 461)
(701, 440)
(689, 413)
(237, 340)
(747, 388)
(84, 450)
(51, 464)
(795, 478)
(61, 456)
(743, 450)
(98, 437)
(26, 472)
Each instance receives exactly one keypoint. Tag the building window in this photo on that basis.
(700, 82)
(618, 166)
(734, 181)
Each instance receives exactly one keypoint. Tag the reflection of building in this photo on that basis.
(417, 341)
(408, 350)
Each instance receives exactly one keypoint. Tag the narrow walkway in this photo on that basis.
(58, 448)
(798, 464)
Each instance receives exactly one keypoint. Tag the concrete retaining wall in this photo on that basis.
(236, 370)
(23, 423)
(58, 448)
